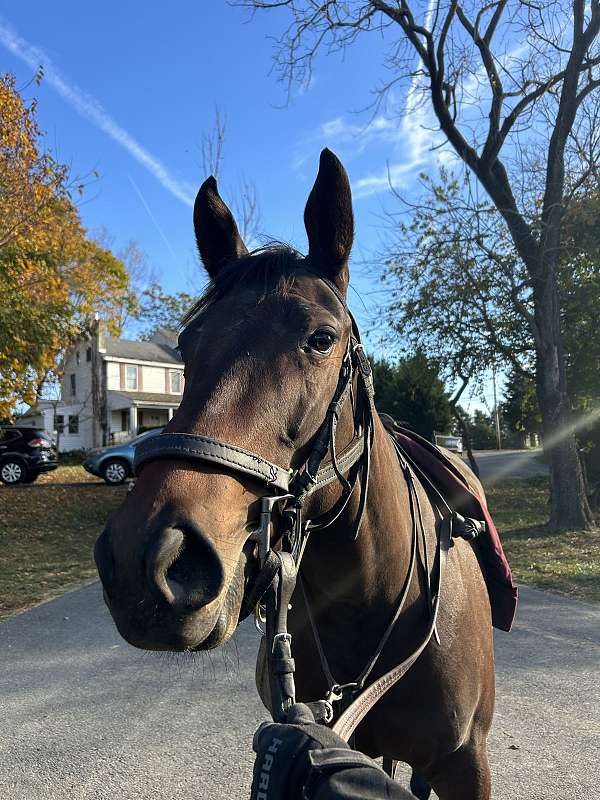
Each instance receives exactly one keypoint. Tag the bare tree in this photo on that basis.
(141, 276)
(245, 204)
(213, 142)
(513, 87)
(247, 211)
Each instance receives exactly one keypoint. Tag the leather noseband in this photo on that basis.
(188, 447)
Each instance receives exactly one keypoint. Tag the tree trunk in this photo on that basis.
(466, 434)
(569, 506)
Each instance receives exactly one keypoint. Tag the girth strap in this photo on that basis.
(202, 449)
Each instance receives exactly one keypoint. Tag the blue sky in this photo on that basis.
(129, 89)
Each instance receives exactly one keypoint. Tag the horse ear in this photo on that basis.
(217, 234)
(329, 220)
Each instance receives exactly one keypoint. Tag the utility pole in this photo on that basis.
(496, 413)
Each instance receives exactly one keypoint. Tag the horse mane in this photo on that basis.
(271, 266)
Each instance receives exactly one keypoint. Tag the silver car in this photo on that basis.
(115, 464)
(452, 443)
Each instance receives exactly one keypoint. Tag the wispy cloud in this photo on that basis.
(161, 233)
(412, 140)
(418, 142)
(415, 138)
(87, 105)
(394, 175)
(341, 133)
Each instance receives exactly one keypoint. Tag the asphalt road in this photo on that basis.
(85, 716)
(496, 465)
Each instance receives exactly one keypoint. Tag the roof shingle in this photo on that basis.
(141, 351)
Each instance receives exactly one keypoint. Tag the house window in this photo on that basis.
(131, 378)
(88, 354)
(176, 381)
(77, 358)
(59, 422)
(125, 420)
(73, 423)
(72, 378)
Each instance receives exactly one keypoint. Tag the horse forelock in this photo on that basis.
(272, 267)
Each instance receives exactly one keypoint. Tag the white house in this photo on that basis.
(111, 389)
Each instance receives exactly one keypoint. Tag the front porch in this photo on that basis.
(129, 415)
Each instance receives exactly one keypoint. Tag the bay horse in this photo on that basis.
(263, 349)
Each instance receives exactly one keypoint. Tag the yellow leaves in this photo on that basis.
(52, 278)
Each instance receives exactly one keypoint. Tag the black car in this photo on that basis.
(24, 454)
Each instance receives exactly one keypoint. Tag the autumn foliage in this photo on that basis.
(53, 278)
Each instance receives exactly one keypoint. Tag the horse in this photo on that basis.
(263, 349)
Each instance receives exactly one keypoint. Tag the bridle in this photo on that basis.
(299, 484)
(289, 490)
(270, 592)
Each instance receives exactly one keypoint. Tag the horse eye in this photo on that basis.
(320, 341)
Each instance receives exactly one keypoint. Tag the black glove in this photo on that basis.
(282, 765)
(300, 760)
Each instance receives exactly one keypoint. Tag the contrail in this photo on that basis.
(91, 109)
(152, 217)
(414, 117)
(413, 136)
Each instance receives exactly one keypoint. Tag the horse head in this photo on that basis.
(262, 350)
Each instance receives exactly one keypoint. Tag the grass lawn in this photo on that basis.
(566, 562)
(47, 533)
(68, 473)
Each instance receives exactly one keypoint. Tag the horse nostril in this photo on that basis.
(185, 568)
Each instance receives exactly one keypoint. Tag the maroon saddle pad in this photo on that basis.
(454, 488)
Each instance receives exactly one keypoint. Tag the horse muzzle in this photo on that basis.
(174, 599)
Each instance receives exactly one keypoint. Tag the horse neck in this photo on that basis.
(365, 574)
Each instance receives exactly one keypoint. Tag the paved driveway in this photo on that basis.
(85, 716)
(496, 465)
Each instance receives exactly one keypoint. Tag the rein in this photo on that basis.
(270, 592)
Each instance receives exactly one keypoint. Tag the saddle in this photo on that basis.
(472, 520)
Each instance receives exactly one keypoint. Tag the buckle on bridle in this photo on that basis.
(365, 368)
(262, 533)
(327, 712)
(260, 618)
(283, 637)
(337, 691)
